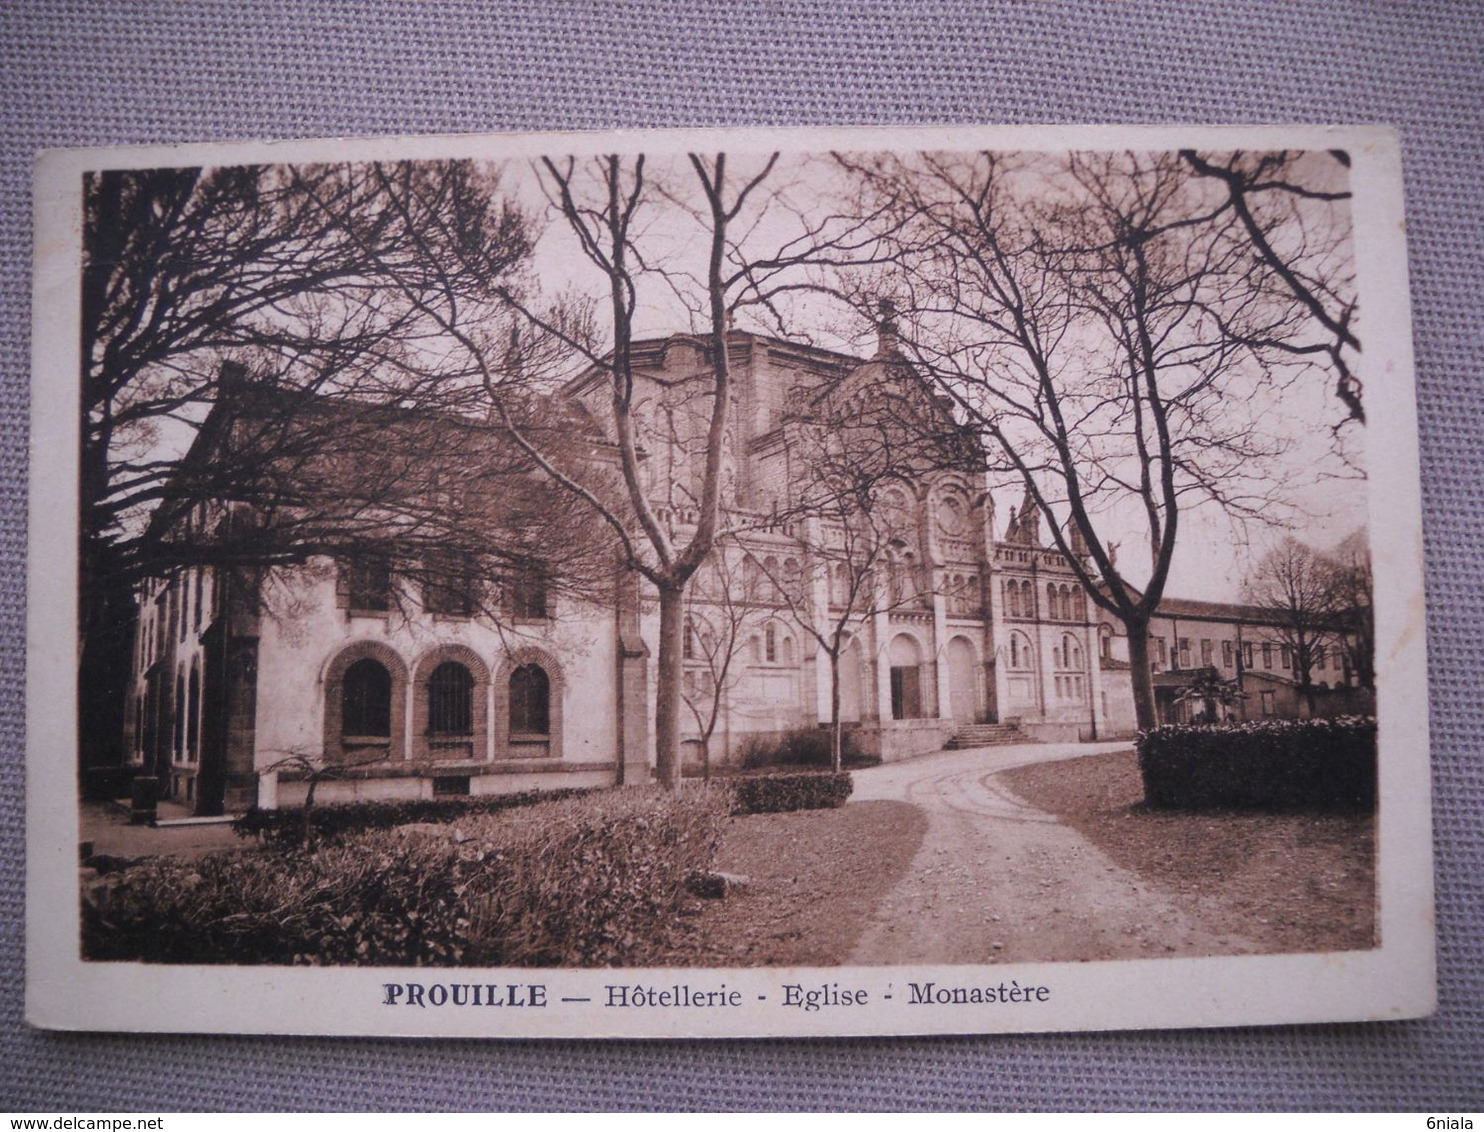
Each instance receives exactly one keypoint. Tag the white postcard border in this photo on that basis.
(1396, 980)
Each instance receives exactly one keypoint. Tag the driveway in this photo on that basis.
(999, 881)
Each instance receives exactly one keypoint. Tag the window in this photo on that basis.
(1319, 657)
(1161, 651)
(449, 590)
(688, 642)
(770, 644)
(1012, 598)
(1267, 654)
(370, 585)
(528, 598)
(1246, 654)
(366, 707)
(1069, 654)
(530, 701)
(1105, 643)
(193, 714)
(840, 592)
(1267, 703)
(1053, 607)
(793, 579)
(1208, 653)
(1184, 652)
(1226, 654)
(1285, 655)
(200, 583)
(180, 716)
(451, 700)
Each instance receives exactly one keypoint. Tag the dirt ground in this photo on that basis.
(1032, 854)
(814, 880)
(1286, 882)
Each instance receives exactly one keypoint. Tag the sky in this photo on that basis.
(1324, 498)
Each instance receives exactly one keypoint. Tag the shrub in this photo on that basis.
(584, 881)
(1279, 765)
(804, 746)
(778, 793)
(107, 783)
(286, 826)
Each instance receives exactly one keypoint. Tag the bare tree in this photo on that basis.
(281, 268)
(1295, 212)
(603, 204)
(723, 606)
(1298, 589)
(1350, 567)
(1101, 320)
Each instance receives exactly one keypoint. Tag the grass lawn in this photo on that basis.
(814, 878)
(1293, 882)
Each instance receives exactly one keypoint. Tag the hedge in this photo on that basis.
(805, 746)
(778, 793)
(586, 881)
(286, 826)
(1327, 764)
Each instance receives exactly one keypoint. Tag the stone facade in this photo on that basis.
(328, 665)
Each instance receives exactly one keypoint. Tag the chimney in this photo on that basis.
(887, 343)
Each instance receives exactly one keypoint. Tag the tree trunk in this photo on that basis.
(1145, 714)
(836, 746)
(668, 686)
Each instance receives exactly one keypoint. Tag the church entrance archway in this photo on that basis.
(963, 681)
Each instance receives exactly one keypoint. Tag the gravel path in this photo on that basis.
(997, 880)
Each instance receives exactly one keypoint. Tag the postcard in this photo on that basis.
(727, 583)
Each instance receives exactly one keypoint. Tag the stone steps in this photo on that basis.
(986, 735)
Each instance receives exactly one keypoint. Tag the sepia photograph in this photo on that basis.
(737, 582)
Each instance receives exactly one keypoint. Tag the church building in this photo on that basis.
(975, 630)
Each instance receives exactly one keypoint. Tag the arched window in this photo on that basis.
(1070, 653)
(193, 714)
(840, 594)
(1027, 599)
(1020, 651)
(180, 715)
(770, 643)
(530, 701)
(1053, 606)
(688, 641)
(1012, 598)
(770, 574)
(751, 579)
(1105, 642)
(366, 706)
(792, 578)
(451, 700)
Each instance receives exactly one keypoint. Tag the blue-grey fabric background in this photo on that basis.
(93, 74)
